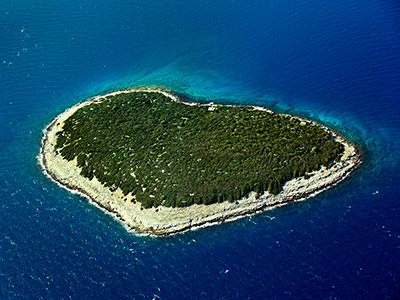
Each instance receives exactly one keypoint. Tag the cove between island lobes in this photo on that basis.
(164, 220)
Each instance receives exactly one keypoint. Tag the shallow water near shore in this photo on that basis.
(333, 62)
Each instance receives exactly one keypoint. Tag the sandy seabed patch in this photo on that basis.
(166, 220)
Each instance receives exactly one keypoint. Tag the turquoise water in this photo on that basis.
(337, 62)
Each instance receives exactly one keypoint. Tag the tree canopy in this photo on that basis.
(173, 154)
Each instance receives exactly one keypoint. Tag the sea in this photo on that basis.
(337, 62)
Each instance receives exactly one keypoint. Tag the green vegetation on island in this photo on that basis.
(173, 154)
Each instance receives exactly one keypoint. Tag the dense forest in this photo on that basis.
(172, 154)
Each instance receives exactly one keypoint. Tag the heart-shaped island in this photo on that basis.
(163, 165)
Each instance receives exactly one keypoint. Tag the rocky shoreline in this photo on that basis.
(166, 220)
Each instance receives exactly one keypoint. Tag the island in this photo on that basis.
(163, 164)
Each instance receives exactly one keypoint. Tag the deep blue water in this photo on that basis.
(334, 61)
